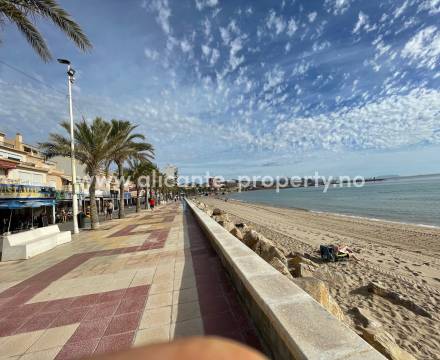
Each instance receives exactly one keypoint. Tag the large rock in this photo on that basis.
(301, 270)
(295, 259)
(237, 233)
(374, 333)
(228, 225)
(267, 250)
(250, 238)
(396, 298)
(221, 219)
(384, 342)
(217, 211)
(364, 318)
(300, 266)
(319, 291)
(280, 266)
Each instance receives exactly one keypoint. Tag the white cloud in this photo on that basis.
(337, 7)
(186, 46)
(362, 21)
(273, 78)
(275, 22)
(206, 50)
(401, 9)
(423, 49)
(312, 16)
(291, 27)
(151, 54)
(215, 55)
(432, 6)
(234, 60)
(201, 4)
(163, 11)
(301, 68)
(389, 123)
(225, 35)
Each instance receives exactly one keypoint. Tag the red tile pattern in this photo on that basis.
(106, 320)
(222, 314)
(80, 309)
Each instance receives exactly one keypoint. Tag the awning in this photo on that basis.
(21, 204)
(7, 164)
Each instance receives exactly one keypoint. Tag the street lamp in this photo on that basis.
(70, 80)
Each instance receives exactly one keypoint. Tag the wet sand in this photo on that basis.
(405, 258)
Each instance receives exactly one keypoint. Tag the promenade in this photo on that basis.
(150, 277)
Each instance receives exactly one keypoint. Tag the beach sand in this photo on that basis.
(405, 258)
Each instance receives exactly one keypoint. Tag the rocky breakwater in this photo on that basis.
(294, 266)
(300, 269)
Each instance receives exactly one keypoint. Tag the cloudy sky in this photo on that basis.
(246, 87)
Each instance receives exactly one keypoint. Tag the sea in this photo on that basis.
(414, 200)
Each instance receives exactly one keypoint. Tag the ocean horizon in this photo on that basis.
(413, 199)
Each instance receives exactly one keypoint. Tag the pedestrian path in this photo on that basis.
(150, 277)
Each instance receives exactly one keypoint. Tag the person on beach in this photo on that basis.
(152, 203)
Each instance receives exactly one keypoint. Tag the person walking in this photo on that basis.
(152, 203)
(110, 210)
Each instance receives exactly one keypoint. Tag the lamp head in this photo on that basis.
(64, 61)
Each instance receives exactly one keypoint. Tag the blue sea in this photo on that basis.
(413, 200)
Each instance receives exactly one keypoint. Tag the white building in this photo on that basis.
(170, 172)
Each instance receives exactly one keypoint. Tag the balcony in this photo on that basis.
(8, 145)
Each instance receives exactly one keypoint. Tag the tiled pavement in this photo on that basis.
(147, 278)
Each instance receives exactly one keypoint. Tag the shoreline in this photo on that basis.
(337, 214)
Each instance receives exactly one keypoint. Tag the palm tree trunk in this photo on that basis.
(93, 209)
(121, 191)
(138, 200)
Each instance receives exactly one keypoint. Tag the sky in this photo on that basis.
(231, 87)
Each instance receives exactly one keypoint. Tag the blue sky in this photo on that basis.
(246, 87)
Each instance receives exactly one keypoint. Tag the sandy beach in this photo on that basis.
(404, 258)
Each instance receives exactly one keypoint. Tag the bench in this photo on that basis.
(29, 243)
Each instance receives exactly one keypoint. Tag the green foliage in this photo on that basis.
(23, 14)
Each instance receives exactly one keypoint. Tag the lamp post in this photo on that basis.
(70, 80)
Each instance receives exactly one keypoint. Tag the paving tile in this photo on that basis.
(155, 317)
(185, 295)
(185, 311)
(129, 305)
(159, 300)
(152, 335)
(113, 343)
(123, 323)
(71, 316)
(48, 354)
(85, 300)
(10, 326)
(102, 310)
(193, 327)
(53, 337)
(77, 350)
(38, 322)
(18, 344)
(158, 288)
(111, 296)
(90, 330)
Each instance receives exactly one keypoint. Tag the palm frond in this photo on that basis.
(17, 11)
(30, 32)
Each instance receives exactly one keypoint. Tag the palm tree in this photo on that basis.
(135, 171)
(93, 146)
(127, 147)
(23, 14)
